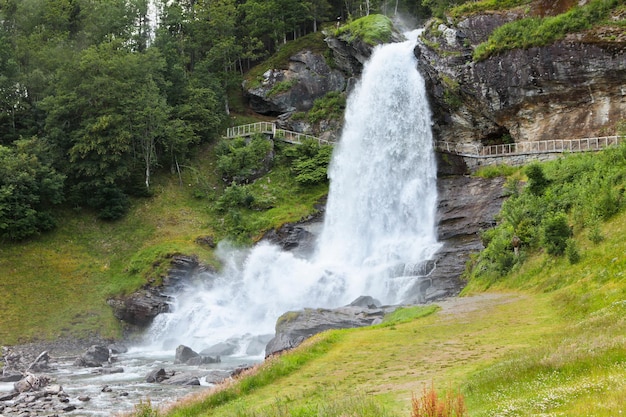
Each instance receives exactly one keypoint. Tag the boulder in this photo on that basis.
(184, 353)
(157, 375)
(220, 349)
(41, 363)
(182, 379)
(293, 327)
(94, 357)
(31, 382)
(308, 77)
(366, 301)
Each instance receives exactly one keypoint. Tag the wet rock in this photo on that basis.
(108, 370)
(216, 376)
(220, 349)
(9, 396)
(141, 307)
(157, 375)
(239, 370)
(183, 379)
(293, 327)
(31, 382)
(41, 363)
(117, 348)
(11, 377)
(184, 353)
(366, 301)
(466, 207)
(69, 408)
(94, 357)
(106, 388)
(84, 398)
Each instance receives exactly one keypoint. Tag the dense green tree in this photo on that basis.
(29, 187)
(109, 116)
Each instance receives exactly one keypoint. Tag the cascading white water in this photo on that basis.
(379, 221)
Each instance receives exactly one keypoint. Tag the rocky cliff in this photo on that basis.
(573, 88)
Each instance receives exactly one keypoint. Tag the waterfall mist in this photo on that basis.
(378, 228)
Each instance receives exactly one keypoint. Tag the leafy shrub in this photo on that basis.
(571, 251)
(314, 170)
(282, 87)
(234, 196)
(240, 161)
(556, 233)
(537, 181)
(331, 106)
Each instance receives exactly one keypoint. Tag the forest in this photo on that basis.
(96, 96)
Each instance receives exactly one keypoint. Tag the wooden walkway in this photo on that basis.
(529, 148)
(269, 128)
(462, 149)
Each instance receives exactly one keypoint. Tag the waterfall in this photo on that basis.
(378, 228)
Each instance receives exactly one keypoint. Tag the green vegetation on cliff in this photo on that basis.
(372, 29)
(540, 31)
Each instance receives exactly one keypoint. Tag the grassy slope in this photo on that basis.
(57, 285)
(549, 340)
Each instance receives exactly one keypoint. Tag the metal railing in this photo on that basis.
(530, 147)
(269, 128)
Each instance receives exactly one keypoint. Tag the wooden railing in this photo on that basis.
(531, 147)
(269, 128)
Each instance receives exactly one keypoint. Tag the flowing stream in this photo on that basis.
(379, 227)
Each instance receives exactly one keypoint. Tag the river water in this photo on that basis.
(378, 228)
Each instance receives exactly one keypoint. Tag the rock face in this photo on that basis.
(293, 327)
(466, 207)
(307, 78)
(141, 307)
(523, 94)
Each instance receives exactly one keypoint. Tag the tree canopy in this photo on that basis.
(115, 89)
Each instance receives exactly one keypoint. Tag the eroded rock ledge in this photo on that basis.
(573, 88)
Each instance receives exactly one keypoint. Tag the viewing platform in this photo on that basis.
(270, 129)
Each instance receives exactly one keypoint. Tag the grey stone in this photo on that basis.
(293, 327)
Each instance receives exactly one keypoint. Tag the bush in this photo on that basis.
(431, 405)
(235, 196)
(556, 232)
(537, 181)
(242, 161)
(331, 106)
(571, 251)
(314, 170)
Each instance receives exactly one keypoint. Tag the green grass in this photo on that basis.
(372, 29)
(533, 31)
(547, 340)
(67, 275)
(473, 7)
